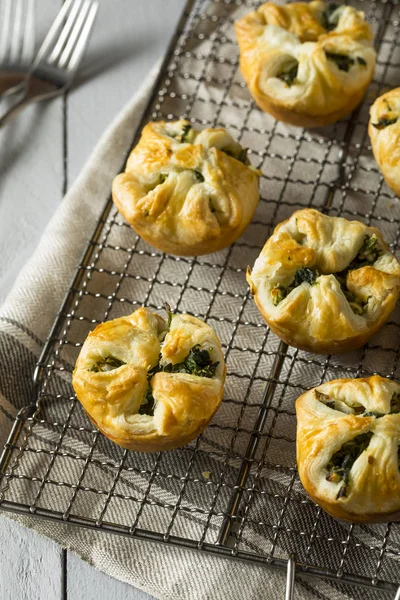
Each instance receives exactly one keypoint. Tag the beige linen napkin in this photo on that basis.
(25, 320)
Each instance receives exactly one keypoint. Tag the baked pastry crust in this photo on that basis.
(137, 353)
(304, 63)
(187, 192)
(384, 132)
(325, 284)
(351, 484)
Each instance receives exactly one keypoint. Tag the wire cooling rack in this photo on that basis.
(234, 491)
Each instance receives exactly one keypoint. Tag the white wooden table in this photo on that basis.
(41, 153)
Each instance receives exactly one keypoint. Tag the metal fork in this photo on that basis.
(60, 55)
(17, 42)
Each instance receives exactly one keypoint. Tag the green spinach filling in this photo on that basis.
(147, 406)
(387, 119)
(330, 18)
(358, 409)
(384, 122)
(395, 404)
(278, 293)
(289, 76)
(324, 398)
(241, 156)
(161, 178)
(356, 304)
(183, 135)
(152, 186)
(109, 363)
(367, 255)
(394, 408)
(342, 461)
(198, 362)
(198, 175)
(304, 274)
(343, 61)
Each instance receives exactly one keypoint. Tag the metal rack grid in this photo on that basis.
(234, 491)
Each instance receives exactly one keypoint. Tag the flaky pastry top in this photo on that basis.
(149, 385)
(187, 192)
(314, 59)
(384, 131)
(348, 438)
(324, 283)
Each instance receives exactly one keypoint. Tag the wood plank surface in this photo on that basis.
(30, 565)
(31, 171)
(85, 582)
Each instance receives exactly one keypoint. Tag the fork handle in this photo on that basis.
(31, 95)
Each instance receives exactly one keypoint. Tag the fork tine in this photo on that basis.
(83, 40)
(53, 31)
(16, 36)
(65, 32)
(75, 34)
(28, 46)
(5, 30)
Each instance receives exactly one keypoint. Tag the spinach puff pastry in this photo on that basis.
(148, 385)
(325, 284)
(384, 131)
(187, 192)
(348, 437)
(308, 64)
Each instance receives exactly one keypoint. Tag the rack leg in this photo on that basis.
(290, 574)
(234, 502)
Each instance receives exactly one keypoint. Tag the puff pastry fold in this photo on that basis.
(187, 192)
(348, 437)
(325, 284)
(308, 64)
(148, 385)
(384, 131)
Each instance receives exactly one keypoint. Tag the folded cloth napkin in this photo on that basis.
(25, 321)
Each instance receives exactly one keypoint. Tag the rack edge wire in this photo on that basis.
(221, 548)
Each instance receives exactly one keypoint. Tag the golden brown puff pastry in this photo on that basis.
(148, 385)
(325, 284)
(308, 64)
(384, 131)
(187, 192)
(348, 437)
